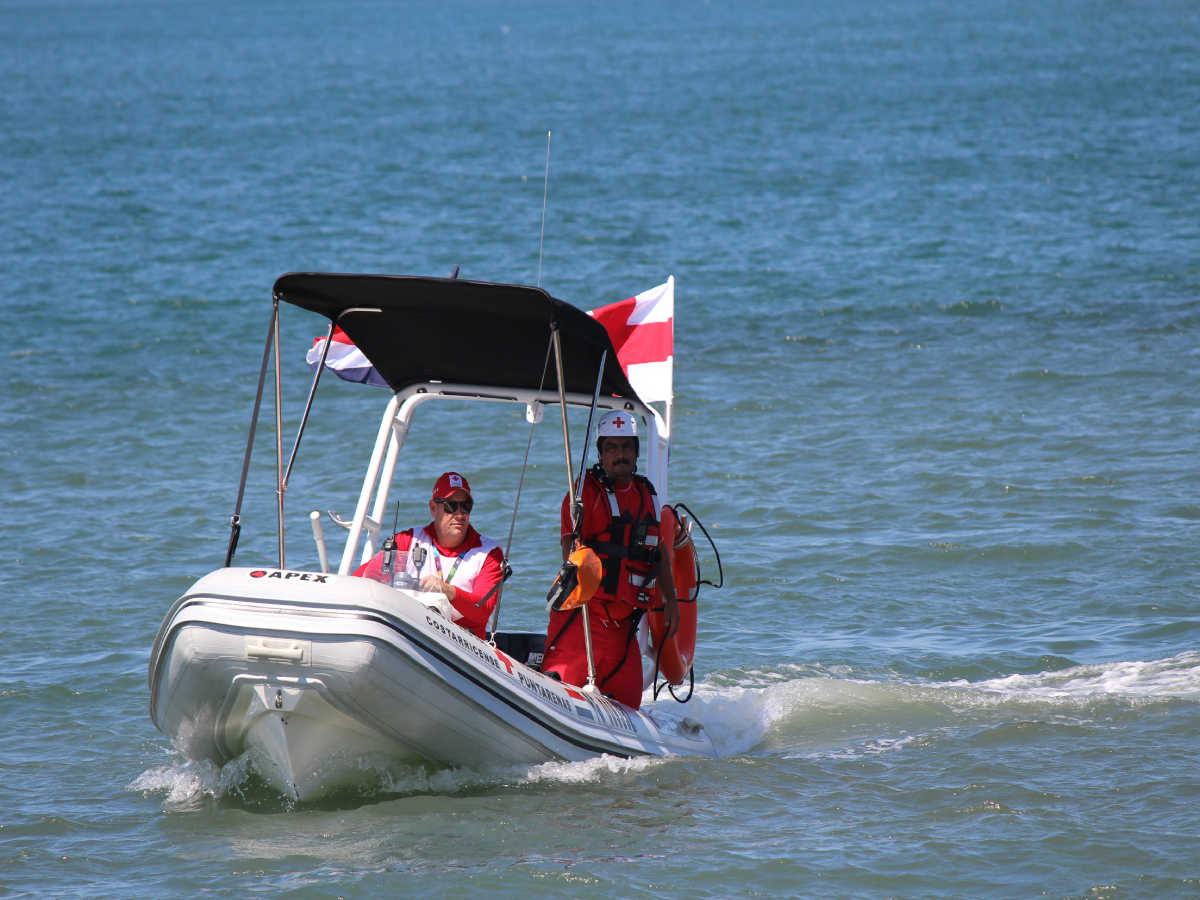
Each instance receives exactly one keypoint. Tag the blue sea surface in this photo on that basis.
(937, 367)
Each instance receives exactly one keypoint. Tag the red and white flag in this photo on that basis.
(346, 360)
(642, 329)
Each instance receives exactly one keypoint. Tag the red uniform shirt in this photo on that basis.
(472, 568)
(615, 649)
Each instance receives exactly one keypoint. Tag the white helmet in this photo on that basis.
(617, 423)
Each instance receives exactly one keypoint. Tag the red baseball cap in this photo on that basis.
(448, 484)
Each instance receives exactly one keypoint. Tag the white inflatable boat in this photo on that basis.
(323, 679)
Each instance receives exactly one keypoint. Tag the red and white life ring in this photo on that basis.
(675, 654)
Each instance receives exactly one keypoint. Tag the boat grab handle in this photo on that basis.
(371, 525)
(261, 648)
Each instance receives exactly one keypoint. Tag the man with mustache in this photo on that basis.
(620, 523)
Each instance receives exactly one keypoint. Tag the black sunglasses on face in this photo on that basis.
(451, 506)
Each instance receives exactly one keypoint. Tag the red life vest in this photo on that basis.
(627, 546)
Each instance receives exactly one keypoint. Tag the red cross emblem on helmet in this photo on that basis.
(616, 424)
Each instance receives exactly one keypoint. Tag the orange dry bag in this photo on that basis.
(577, 579)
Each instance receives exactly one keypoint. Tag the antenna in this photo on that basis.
(545, 194)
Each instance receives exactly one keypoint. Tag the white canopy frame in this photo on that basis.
(370, 510)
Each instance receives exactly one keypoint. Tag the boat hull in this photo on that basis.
(324, 680)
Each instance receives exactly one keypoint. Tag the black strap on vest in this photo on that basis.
(634, 547)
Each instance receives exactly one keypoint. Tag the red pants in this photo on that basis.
(614, 650)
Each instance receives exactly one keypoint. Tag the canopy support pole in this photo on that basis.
(235, 521)
(279, 485)
(312, 392)
(562, 405)
(576, 512)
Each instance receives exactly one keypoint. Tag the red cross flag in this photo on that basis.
(642, 329)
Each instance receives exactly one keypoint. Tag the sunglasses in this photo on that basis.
(452, 506)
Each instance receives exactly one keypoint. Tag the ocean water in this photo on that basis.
(938, 345)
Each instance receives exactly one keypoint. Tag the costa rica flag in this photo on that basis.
(345, 359)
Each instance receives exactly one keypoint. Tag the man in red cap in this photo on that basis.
(620, 523)
(449, 555)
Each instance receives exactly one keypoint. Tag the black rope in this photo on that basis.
(711, 543)
(658, 686)
(631, 640)
(691, 687)
(512, 525)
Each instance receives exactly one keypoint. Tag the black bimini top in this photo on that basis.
(416, 329)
